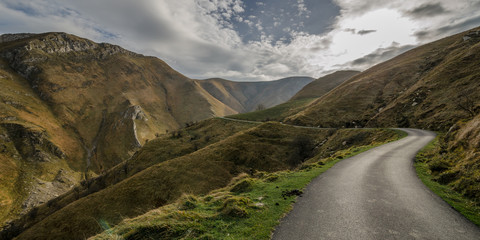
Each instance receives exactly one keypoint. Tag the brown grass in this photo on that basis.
(421, 88)
(267, 147)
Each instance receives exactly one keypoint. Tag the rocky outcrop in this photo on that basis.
(64, 43)
(13, 37)
(135, 113)
(24, 57)
(33, 145)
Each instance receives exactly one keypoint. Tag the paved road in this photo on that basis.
(375, 195)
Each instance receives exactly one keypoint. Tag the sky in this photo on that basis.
(247, 40)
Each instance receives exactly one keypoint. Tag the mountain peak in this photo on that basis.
(9, 37)
(60, 42)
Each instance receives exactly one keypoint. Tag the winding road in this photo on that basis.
(375, 195)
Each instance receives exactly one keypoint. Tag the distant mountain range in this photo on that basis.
(249, 96)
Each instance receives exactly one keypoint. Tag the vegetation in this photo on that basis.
(276, 113)
(427, 167)
(266, 147)
(167, 146)
(248, 208)
(323, 85)
(249, 96)
(432, 87)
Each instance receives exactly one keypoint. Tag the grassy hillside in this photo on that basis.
(323, 85)
(454, 161)
(35, 151)
(268, 147)
(431, 86)
(300, 100)
(168, 146)
(248, 96)
(434, 86)
(276, 113)
(74, 108)
(248, 208)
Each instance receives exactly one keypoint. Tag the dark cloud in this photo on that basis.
(380, 55)
(364, 32)
(351, 30)
(427, 10)
(462, 26)
(465, 25)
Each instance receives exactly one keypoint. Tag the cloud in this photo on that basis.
(427, 10)
(379, 55)
(455, 27)
(365, 32)
(202, 38)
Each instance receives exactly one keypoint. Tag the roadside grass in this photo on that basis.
(465, 206)
(248, 208)
(276, 113)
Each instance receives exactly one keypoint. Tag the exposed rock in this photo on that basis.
(43, 191)
(32, 144)
(135, 113)
(13, 37)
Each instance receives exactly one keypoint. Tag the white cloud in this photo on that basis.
(197, 36)
(302, 8)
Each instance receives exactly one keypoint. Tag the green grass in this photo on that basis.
(276, 113)
(465, 206)
(223, 214)
(249, 208)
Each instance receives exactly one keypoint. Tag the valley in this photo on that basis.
(100, 141)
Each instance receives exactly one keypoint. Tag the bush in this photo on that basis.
(303, 148)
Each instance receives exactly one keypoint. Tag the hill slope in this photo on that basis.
(425, 88)
(435, 86)
(266, 147)
(248, 96)
(70, 106)
(301, 99)
(324, 84)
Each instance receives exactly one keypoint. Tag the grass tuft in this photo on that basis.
(469, 208)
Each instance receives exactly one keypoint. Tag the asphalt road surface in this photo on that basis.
(375, 195)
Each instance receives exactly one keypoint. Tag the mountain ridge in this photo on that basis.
(249, 96)
(74, 107)
(368, 99)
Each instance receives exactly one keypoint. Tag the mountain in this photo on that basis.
(324, 84)
(72, 108)
(432, 86)
(249, 96)
(435, 86)
(300, 100)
